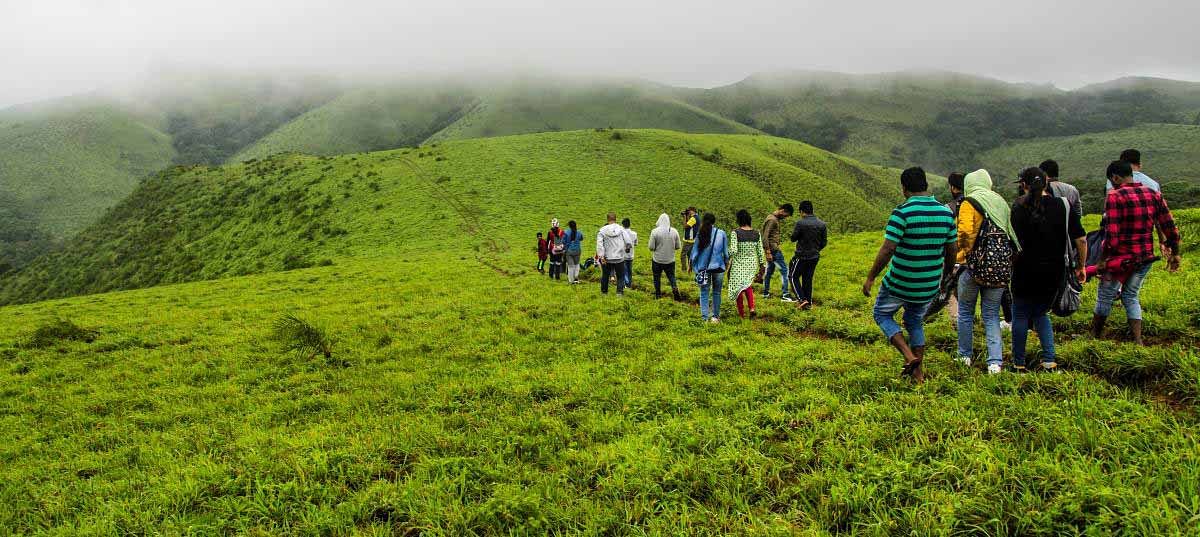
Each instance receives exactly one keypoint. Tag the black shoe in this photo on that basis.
(766, 294)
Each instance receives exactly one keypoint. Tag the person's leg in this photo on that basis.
(968, 292)
(750, 298)
(605, 272)
(991, 300)
(575, 266)
(684, 261)
(884, 313)
(795, 276)
(781, 262)
(1022, 316)
(810, 269)
(770, 273)
(705, 292)
(628, 273)
(1006, 305)
(1131, 297)
(656, 270)
(670, 269)
(718, 279)
(619, 269)
(914, 323)
(740, 308)
(1045, 329)
(1106, 294)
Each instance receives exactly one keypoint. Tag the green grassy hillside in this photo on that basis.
(64, 163)
(402, 115)
(1170, 154)
(1184, 95)
(462, 400)
(198, 223)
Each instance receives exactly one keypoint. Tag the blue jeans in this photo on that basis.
(1130, 294)
(1028, 313)
(968, 293)
(628, 273)
(779, 262)
(713, 291)
(886, 306)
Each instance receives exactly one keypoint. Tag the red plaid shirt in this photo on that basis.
(1131, 213)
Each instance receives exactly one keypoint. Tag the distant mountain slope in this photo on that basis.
(409, 114)
(64, 163)
(483, 197)
(368, 119)
(940, 120)
(1184, 95)
(1170, 154)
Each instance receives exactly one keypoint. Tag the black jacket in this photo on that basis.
(810, 236)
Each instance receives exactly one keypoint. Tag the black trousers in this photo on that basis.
(557, 265)
(659, 269)
(613, 268)
(801, 273)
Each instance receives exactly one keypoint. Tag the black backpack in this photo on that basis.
(991, 260)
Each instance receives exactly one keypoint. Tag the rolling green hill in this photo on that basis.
(1183, 95)
(1170, 154)
(64, 163)
(403, 115)
(198, 222)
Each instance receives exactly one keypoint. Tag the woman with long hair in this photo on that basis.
(1045, 225)
(709, 257)
(746, 258)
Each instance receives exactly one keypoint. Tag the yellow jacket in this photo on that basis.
(969, 222)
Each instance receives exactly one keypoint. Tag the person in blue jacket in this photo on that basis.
(709, 258)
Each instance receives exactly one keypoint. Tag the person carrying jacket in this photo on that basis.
(980, 204)
(612, 247)
(664, 242)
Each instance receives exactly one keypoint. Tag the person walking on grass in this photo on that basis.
(709, 257)
(558, 249)
(664, 242)
(689, 238)
(986, 246)
(746, 259)
(919, 244)
(955, 182)
(631, 242)
(574, 239)
(543, 250)
(1045, 224)
(811, 236)
(1132, 212)
(1060, 189)
(612, 249)
(772, 234)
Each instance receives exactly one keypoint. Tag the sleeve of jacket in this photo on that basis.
(675, 237)
(796, 231)
(1112, 224)
(1166, 224)
(969, 222)
(824, 237)
(600, 243)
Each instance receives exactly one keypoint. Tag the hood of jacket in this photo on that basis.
(664, 221)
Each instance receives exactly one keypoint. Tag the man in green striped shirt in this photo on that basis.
(920, 242)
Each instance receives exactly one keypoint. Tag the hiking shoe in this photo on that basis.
(1019, 369)
(766, 294)
(1050, 367)
(964, 360)
(994, 369)
(787, 298)
(753, 314)
(715, 320)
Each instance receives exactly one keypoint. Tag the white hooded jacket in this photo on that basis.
(664, 241)
(610, 243)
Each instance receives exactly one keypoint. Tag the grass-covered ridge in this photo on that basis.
(290, 211)
(387, 116)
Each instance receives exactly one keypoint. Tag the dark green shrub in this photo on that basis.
(58, 330)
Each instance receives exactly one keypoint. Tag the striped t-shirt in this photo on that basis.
(921, 227)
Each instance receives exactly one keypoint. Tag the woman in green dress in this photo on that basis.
(746, 258)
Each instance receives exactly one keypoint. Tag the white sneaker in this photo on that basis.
(715, 320)
(787, 298)
(993, 369)
(1006, 326)
(964, 360)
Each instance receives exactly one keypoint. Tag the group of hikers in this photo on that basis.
(1023, 261)
(720, 261)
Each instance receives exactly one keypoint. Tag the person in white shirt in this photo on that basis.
(611, 248)
(1134, 158)
(631, 242)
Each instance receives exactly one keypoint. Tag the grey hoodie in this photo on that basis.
(664, 241)
(610, 243)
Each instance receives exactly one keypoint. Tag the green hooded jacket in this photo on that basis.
(977, 186)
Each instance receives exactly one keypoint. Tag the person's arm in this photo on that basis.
(1112, 226)
(675, 237)
(1165, 222)
(600, 245)
(824, 238)
(796, 231)
(881, 260)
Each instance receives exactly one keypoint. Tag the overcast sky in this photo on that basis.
(57, 47)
